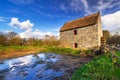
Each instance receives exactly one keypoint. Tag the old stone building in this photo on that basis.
(83, 33)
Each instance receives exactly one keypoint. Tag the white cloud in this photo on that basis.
(85, 3)
(86, 6)
(79, 5)
(22, 25)
(112, 21)
(28, 27)
(100, 2)
(75, 5)
(35, 34)
(103, 5)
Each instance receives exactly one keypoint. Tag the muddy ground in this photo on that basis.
(69, 64)
(42, 66)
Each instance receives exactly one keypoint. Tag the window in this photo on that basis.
(75, 44)
(75, 32)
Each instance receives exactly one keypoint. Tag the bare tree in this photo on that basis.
(114, 40)
(13, 39)
(50, 41)
(106, 34)
(3, 39)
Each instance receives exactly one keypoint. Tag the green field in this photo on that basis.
(100, 68)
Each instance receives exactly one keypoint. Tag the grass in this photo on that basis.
(118, 53)
(13, 47)
(62, 50)
(17, 51)
(100, 68)
(74, 52)
(17, 48)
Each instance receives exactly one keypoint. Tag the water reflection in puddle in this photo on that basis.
(31, 67)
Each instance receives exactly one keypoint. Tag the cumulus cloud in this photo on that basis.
(28, 27)
(34, 34)
(22, 25)
(111, 22)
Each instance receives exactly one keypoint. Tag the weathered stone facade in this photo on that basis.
(87, 37)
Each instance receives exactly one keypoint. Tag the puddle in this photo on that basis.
(43, 66)
(31, 67)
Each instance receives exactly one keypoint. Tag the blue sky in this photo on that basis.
(36, 18)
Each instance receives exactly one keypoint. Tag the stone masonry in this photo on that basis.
(87, 37)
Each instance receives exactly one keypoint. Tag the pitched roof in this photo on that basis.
(81, 22)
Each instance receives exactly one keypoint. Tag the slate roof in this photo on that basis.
(81, 22)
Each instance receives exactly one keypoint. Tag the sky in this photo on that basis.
(36, 18)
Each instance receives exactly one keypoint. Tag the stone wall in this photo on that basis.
(87, 37)
(100, 31)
